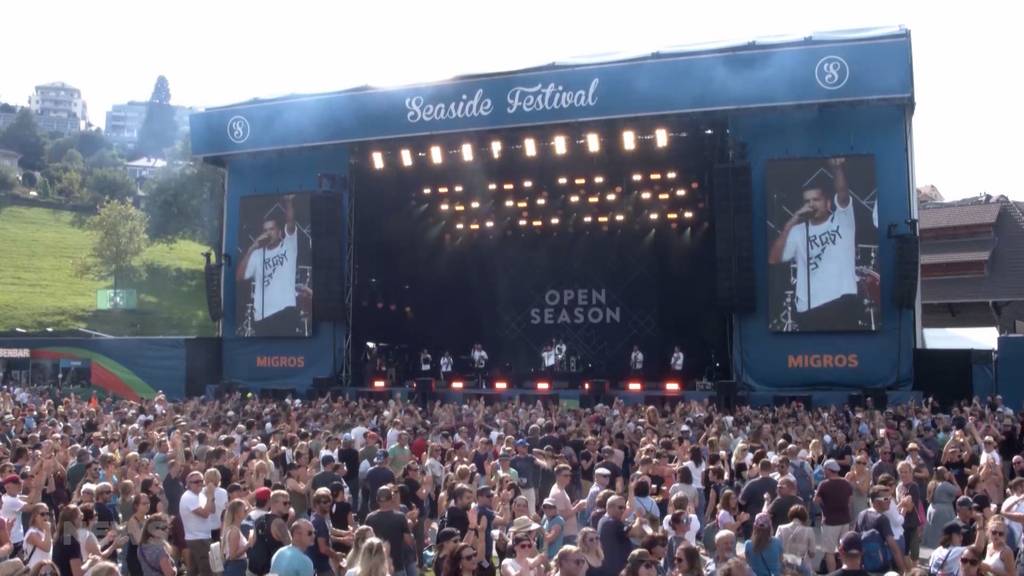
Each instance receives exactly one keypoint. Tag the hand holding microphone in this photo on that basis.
(804, 213)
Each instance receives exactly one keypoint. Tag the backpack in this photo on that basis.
(876, 555)
(262, 551)
(804, 486)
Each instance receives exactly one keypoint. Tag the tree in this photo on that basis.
(159, 130)
(110, 184)
(90, 142)
(23, 137)
(8, 180)
(120, 230)
(186, 202)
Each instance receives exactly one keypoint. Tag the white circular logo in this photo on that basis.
(238, 129)
(832, 72)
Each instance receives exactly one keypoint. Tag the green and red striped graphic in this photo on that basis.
(107, 373)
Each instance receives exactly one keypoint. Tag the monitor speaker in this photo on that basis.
(732, 196)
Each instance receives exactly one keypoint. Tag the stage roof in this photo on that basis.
(827, 67)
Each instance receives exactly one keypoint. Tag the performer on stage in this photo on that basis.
(636, 359)
(425, 361)
(820, 239)
(446, 365)
(676, 363)
(270, 264)
(560, 355)
(547, 358)
(479, 357)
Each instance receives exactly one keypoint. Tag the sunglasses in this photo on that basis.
(190, 482)
(525, 545)
(998, 533)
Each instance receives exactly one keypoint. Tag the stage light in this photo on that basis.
(672, 216)
(695, 184)
(661, 137)
(379, 383)
(500, 385)
(541, 201)
(574, 198)
(459, 226)
(664, 196)
(537, 223)
(522, 204)
(496, 149)
(555, 220)
(543, 385)
(602, 219)
(645, 195)
(489, 224)
(681, 192)
(560, 146)
(459, 207)
(406, 157)
(593, 142)
(510, 203)
(670, 175)
(443, 190)
(522, 222)
(594, 199)
(709, 131)
(653, 215)
(467, 152)
(619, 217)
(563, 180)
(579, 181)
(426, 191)
(444, 206)
(586, 386)
(435, 154)
(474, 226)
(492, 186)
(588, 219)
(628, 140)
(530, 145)
(610, 197)
(687, 214)
(458, 188)
(672, 386)
(635, 386)
(655, 176)
(474, 204)
(638, 177)
(508, 186)
(458, 384)
(378, 160)
(598, 179)
(527, 183)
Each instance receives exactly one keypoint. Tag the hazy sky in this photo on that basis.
(216, 52)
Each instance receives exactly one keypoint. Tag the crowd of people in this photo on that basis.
(332, 487)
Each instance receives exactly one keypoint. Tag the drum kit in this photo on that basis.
(869, 290)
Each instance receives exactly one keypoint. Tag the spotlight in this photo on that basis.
(645, 195)
(695, 184)
(619, 217)
(555, 220)
(586, 386)
(442, 190)
(530, 145)
(560, 146)
(672, 386)
(522, 222)
(687, 214)
(459, 226)
(458, 188)
(474, 204)
(459, 207)
(580, 181)
(610, 197)
(426, 191)
(664, 196)
(574, 198)
(661, 137)
(670, 175)
(467, 152)
(521, 204)
(489, 224)
(602, 219)
(508, 186)
(541, 201)
(638, 177)
(378, 160)
(628, 140)
(496, 149)
(527, 183)
(653, 215)
(492, 186)
(588, 219)
(406, 157)
(537, 223)
(543, 385)
(681, 192)
(510, 203)
(598, 179)
(500, 385)
(656, 176)
(593, 142)
(474, 226)
(635, 386)
(458, 384)
(379, 383)
(594, 199)
(435, 154)
(444, 206)
(672, 216)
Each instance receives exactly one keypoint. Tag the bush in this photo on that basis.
(29, 179)
(8, 180)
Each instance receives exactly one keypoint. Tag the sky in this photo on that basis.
(215, 52)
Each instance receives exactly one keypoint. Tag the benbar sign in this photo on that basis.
(519, 100)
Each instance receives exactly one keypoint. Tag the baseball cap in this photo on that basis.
(851, 543)
(381, 456)
(953, 527)
(964, 502)
(832, 465)
(262, 495)
(446, 535)
(763, 520)
(549, 502)
(522, 443)
(603, 472)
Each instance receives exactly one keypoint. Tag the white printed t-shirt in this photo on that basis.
(272, 270)
(830, 250)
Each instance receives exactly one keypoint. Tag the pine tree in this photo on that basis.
(159, 130)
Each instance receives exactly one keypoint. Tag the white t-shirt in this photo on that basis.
(697, 472)
(549, 357)
(677, 360)
(273, 272)
(359, 437)
(425, 360)
(951, 556)
(196, 527)
(691, 530)
(446, 364)
(11, 512)
(35, 555)
(220, 503)
(831, 251)
(636, 360)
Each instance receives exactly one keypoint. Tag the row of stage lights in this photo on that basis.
(573, 199)
(545, 385)
(588, 219)
(654, 177)
(560, 143)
